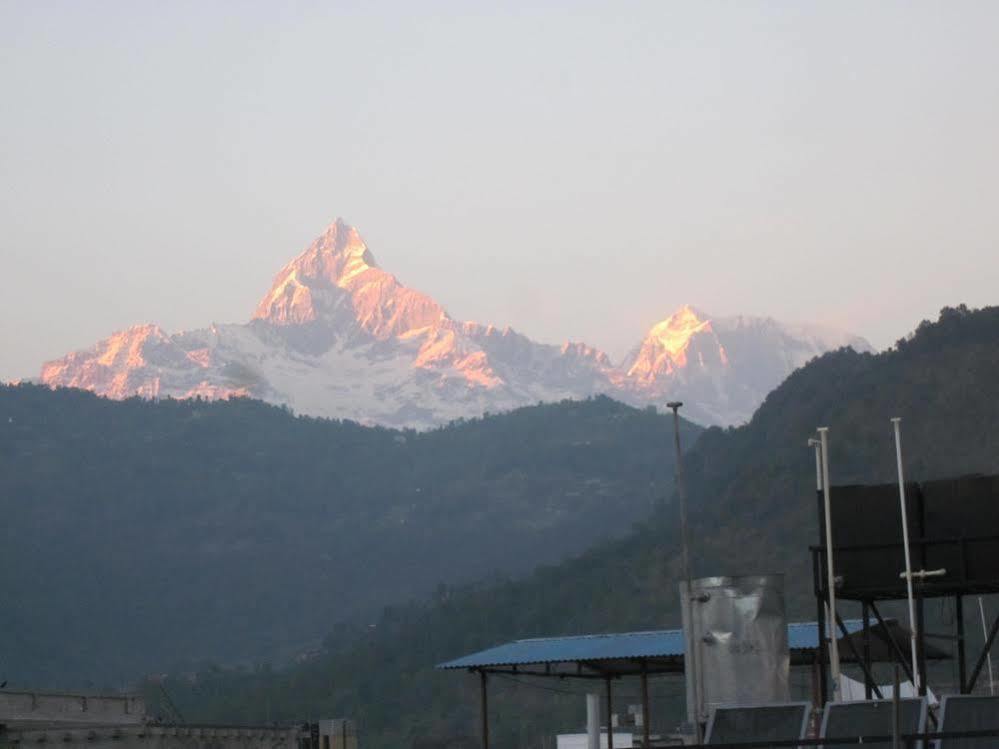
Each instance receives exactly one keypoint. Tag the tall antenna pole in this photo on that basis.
(681, 491)
(913, 635)
(830, 625)
(812, 442)
(830, 576)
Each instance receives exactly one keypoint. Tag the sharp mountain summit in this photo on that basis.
(337, 336)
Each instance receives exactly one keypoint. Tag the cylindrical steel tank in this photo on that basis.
(738, 626)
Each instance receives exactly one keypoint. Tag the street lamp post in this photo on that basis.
(681, 491)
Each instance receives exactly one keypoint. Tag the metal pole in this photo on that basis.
(986, 654)
(985, 634)
(593, 721)
(816, 693)
(610, 720)
(823, 654)
(645, 706)
(896, 714)
(913, 634)
(681, 491)
(868, 682)
(821, 619)
(921, 644)
(962, 660)
(830, 576)
(485, 709)
(868, 676)
(897, 654)
(814, 443)
(823, 639)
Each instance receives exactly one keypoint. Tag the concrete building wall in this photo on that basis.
(152, 737)
(337, 734)
(64, 707)
(120, 722)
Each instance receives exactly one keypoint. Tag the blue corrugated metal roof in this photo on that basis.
(662, 643)
(805, 635)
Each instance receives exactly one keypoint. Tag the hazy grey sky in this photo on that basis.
(575, 170)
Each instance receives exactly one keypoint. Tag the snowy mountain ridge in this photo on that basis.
(338, 336)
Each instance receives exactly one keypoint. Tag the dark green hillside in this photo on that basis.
(142, 536)
(752, 493)
(759, 481)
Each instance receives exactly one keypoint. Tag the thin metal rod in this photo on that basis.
(681, 491)
(868, 682)
(985, 631)
(913, 632)
(484, 702)
(868, 677)
(984, 656)
(899, 656)
(645, 707)
(593, 721)
(816, 692)
(822, 619)
(823, 605)
(896, 714)
(830, 576)
(962, 660)
(687, 571)
(921, 645)
(818, 462)
(610, 720)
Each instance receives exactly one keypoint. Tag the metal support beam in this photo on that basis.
(868, 678)
(900, 657)
(592, 721)
(962, 661)
(645, 707)
(816, 692)
(868, 681)
(552, 674)
(820, 616)
(921, 641)
(985, 654)
(610, 710)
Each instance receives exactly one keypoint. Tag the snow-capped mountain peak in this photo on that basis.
(674, 333)
(675, 343)
(336, 335)
(336, 277)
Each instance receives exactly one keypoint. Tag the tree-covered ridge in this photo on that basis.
(752, 494)
(142, 536)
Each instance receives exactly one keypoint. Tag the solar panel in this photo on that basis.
(782, 722)
(872, 718)
(968, 713)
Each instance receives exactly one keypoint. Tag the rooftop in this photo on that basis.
(655, 651)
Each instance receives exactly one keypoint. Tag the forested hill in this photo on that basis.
(752, 494)
(140, 536)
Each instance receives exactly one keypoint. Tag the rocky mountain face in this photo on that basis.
(338, 336)
(723, 367)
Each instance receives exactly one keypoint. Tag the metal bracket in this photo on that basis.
(923, 574)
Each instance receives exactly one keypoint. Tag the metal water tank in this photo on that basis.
(738, 626)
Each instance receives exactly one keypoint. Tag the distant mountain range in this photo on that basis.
(337, 336)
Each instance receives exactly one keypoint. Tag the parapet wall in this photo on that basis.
(33, 708)
(153, 737)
